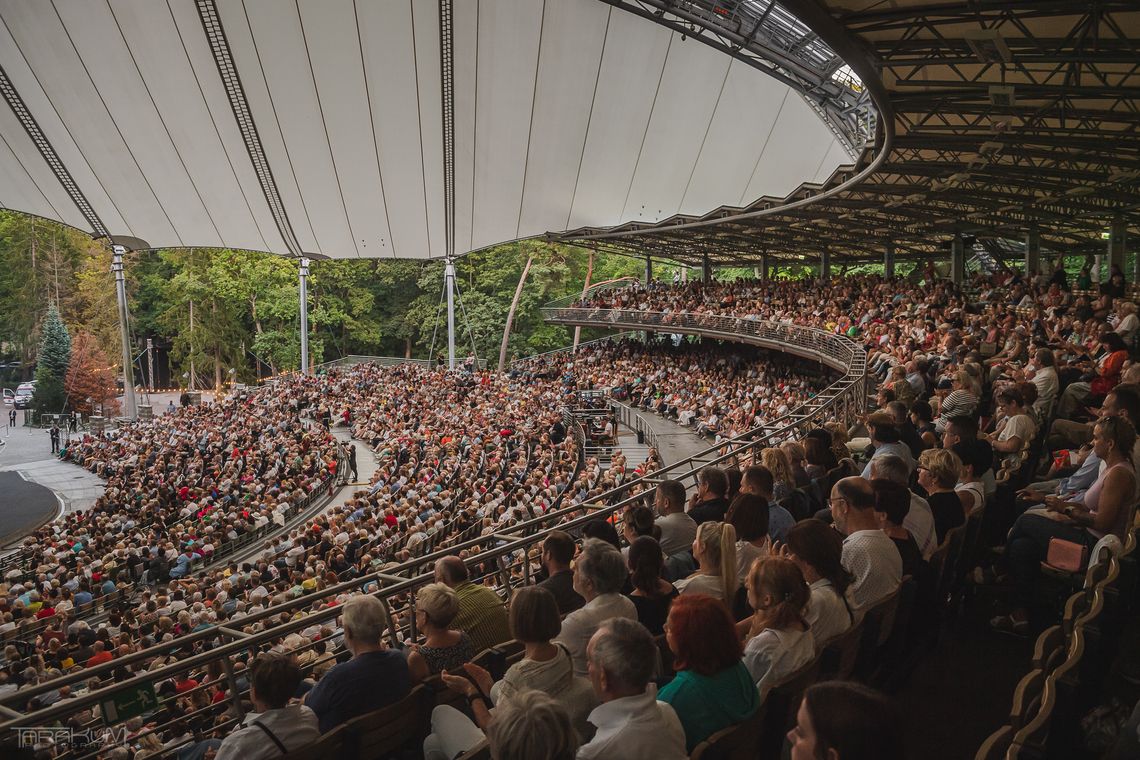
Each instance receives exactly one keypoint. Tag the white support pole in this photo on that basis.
(449, 283)
(304, 274)
(129, 408)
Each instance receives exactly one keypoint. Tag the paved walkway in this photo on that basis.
(27, 451)
(674, 442)
(367, 464)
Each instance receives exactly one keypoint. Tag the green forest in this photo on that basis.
(222, 310)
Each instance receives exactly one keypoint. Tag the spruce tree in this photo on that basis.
(51, 365)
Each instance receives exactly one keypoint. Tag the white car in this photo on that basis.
(24, 392)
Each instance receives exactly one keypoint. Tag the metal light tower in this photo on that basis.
(304, 316)
(129, 408)
(449, 284)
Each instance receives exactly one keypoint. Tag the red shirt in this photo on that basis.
(100, 658)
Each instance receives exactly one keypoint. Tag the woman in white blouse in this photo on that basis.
(778, 641)
(817, 549)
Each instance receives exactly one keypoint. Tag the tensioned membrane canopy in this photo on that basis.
(322, 126)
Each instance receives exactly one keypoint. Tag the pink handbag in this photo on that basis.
(1067, 555)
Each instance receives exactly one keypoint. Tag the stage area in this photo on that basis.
(24, 507)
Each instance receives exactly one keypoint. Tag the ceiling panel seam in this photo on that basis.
(235, 92)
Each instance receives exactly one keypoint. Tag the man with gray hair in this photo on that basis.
(599, 573)
(375, 676)
(631, 723)
(920, 519)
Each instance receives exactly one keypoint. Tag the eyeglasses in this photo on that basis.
(831, 502)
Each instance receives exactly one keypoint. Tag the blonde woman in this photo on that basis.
(714, 549)
(783, 479)
(444, 648)
(938, 473)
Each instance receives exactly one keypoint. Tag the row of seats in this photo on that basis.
(1070, 661)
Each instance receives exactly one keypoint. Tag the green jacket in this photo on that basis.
(707, 704)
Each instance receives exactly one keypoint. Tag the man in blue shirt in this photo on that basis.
(375, 676)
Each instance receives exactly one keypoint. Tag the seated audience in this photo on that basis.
(777, 638)
(275, 727)
(868, 554)
(757, 481)
(630, 722)
(678, 529)
(709, 503)
(557, 553)
(534, 726)
(652, 595)
(817, 550)
(375, 676)
(443, 648)
(482, 613)
(599, 574)
(748, 516)
(919, 519)
(545, 667)
(938, 473)
(841, 720)
(1104, 510)
(714, 548)
(712, 688)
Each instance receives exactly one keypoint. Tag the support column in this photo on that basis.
(1032, 251)
(1098, 264)
(449, 283)
(648, 270)
(825, 264)
(764, 270)
(958, 259)
(129, 408)
(889, 261)
(150, 363)
(304, 316)
(706, 269)
(1118, 245)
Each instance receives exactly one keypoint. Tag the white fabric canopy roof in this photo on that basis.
(567, 113)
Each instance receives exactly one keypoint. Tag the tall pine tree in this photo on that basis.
(51, 365)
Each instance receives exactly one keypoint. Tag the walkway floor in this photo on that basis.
(28, 451)
(366, 462)
(674, 442)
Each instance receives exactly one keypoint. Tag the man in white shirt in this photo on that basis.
(275, 728)
(599, 573)
(677, 529)
(631, 723)
(868, 553)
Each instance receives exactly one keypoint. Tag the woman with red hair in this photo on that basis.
(712, 689)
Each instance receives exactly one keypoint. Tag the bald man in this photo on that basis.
(869, 554)
(481, 612)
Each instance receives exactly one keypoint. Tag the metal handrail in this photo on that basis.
(570, 349)
(488, 554)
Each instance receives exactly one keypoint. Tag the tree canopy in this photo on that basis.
(222, 310)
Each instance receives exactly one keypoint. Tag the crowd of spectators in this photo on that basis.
(743, 583)
(720, 390)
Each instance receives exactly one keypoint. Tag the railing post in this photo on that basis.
(231, 679)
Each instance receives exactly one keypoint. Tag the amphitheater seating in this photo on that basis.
(737, 742)
(996, 745)
(839, 655)
(878, 622)
(332, 744)
(378, 734)
(780, 707)
(480, 752)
